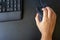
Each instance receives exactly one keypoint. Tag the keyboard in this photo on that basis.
(10, 10)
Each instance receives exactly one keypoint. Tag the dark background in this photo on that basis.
(26, 28)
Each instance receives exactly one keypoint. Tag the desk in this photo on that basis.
(26, 29)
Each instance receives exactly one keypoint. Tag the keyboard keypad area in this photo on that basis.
(10, 5)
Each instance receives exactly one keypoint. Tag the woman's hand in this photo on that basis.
(47, 25)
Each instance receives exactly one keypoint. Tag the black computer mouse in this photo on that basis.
(42, 4)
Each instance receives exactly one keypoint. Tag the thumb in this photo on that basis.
(37, 19)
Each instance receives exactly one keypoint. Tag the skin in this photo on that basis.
(47, 25)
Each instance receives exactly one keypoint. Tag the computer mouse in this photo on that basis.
(40, 12)
(42, 4)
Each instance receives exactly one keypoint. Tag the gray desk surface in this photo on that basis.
(24, 29)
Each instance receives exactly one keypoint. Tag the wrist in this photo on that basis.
(46, 37)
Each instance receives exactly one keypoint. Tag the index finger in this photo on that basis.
(45, 13)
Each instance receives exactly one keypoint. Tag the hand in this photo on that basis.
(47, 25)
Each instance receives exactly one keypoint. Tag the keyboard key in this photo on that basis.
(0, 0)
(3, 0)
(18, 7)
(11, 2)
(7, 9)
(3, 9)
(14, 9)
(0, 10)
(15, 5)
(11, 9)
(0, 6)
(8, 0)
(9, 5)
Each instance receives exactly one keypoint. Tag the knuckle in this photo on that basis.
(48, 7)
(54, 14)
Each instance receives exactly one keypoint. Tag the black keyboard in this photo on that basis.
(10, 10)
(9, 5)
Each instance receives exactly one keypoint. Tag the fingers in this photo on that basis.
(45, 13)
(51, 13)
(37, 18)
(48, 13)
